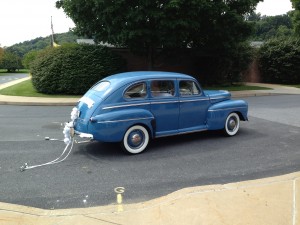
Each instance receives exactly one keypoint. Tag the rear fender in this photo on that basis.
(218, 113)
(111, 126)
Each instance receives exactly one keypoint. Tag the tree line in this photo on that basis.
(268, 27)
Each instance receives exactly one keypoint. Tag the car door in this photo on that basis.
(193, 107)
(164, 106)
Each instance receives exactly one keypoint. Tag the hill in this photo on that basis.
(41, 42)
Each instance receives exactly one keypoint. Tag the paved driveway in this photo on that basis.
(267, 145)
(12, 77)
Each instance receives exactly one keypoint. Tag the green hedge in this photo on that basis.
(279, 61)
(73, 69)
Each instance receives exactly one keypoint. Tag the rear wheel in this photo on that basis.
(232, 124)
(135, 140)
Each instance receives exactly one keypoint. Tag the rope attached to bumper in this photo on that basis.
(61, 158)
(68, 140)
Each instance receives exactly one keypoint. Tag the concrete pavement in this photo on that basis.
(272, 201)
(275, 90)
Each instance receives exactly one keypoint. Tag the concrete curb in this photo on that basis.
(35, 101)
(270, 201)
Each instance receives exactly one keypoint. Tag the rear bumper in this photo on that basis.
(84, 135)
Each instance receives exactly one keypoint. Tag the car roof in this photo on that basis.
(122, 79)
(128, 77)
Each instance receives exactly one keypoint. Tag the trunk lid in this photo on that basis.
(86, 106)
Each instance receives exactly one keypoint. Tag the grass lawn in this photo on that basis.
(297, 86)
(4, 72)
(26, 88)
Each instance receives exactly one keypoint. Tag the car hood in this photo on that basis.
(217, 96)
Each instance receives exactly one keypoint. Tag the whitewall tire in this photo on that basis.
(232, 124)
(135, 140)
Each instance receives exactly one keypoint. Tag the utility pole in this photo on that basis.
(52, 35)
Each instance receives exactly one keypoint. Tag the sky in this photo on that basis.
(23, 20)
(274, 7)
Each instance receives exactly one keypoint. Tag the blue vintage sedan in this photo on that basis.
(134, 107)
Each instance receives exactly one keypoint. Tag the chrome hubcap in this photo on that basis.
(232, 124)
(136, 139)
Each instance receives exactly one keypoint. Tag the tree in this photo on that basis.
(296, 16)
(267, 27)
(254, 17)
(284, 31)
(29, 58)
(1, 55)
(145, 25)
(11, 61)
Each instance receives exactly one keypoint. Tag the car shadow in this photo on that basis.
(158, 147)
(96, 149)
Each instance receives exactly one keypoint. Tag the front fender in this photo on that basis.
(218, 113)
(111, 126)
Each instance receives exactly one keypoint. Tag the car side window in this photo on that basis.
(162, 88)
(187, 87)
(136, 91)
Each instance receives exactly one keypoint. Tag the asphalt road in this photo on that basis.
(267, 145)
(12, 77)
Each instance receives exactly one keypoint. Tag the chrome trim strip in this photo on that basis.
(194, 100)
(216, 98)
(165, 102)
(214, 110)
(186, 132)
(116, 121)
(194, 131)
(122, 106)
(153, 102)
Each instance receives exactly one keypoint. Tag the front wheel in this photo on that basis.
(135, 139)
(232, 124)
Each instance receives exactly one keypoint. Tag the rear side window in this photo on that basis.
(187, 87)
(102, 86)
(162, 88)
(136, 91)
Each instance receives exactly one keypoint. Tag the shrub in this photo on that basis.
(279, 61)
(73, 68)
